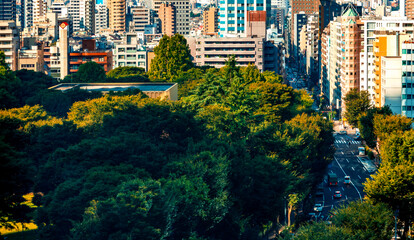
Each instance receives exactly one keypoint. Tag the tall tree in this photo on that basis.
(172, 57)
(366, 124)
(356, 103)
(394, 182)
(384, 125)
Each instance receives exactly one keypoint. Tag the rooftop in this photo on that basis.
(106, 87)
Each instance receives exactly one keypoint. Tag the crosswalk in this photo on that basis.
(346, 142)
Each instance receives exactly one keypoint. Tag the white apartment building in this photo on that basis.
(9, 42)
(391, 82)
(101, 17)
(83, 15)
(60, 7)
(129, 51)
(371, 25)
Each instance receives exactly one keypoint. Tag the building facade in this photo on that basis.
(215, 51)
(233, 15)
(210, 18)
(182, 14)
(9, 42)
(8, 10)
(129, 52)
(116, 15)
(166, 14)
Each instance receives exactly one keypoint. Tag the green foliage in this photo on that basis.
(356, 103)
(394, 182)
(357, 221)
(384, 125)
(87, 73)
(366, 124)
(172, 57)
(15, 180)
(127, 74)
(129, 214)
(121, 72)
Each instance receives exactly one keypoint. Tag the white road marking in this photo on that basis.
(359, 177)
(346, 197)
(360, 197)
(353, 169)
(343, 189)
(330, 189)
(342, 152)
(347, 160)
(332, 205)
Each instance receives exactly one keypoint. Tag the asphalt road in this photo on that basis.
(345, 164)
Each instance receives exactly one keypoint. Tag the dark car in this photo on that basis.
(337, 194)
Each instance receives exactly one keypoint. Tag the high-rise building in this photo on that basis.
(166, 13)
(340, 55)
(370, 30)
(116, 16)
(409, 8)
(182, 14)
(8, 10)
(28, 13)
(210, 18)
(101, 17)
(141, 16)
(83, 15)
(9, 42)
(39, 10)
(233, 15)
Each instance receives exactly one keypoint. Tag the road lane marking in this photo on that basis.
(343, 189)
(332, 205)
(353, 169)
(330, 190)
(347, 160)
(342, 152)
(360, 197)
(359, 177)
(346, 197)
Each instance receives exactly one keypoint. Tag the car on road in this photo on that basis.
(318, 207)
(347, 180)
(337, 194)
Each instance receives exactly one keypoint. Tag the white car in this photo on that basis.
(318, 207)
(347, 180)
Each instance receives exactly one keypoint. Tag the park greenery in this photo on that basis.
(223, 162)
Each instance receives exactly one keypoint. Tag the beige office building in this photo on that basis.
(116, 16)
(210, 17)
(141, 17)
(9, 42)
(216, 51)
(182, 14)
(167, 15)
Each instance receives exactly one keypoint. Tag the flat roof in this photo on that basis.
(106, 87)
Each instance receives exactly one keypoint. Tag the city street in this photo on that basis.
(345, 163)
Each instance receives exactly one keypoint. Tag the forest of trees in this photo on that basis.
(223, 162)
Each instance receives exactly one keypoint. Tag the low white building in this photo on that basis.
(130, 51)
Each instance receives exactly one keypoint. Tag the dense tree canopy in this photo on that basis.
(219, 164)
(356, 103)
(172, 57)
(87, 72)
(394, 182)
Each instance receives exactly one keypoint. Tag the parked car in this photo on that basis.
(318, 207)
(337, 194)
(347, 180)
